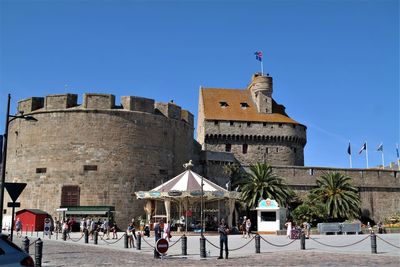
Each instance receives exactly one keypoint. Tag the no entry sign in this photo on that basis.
(162, 246)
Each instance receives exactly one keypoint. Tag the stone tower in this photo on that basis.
(249, 125)
(261, 92)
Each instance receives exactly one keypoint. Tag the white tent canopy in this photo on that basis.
(187, 185)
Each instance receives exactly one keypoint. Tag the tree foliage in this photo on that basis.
(339, 197)
(262, 183)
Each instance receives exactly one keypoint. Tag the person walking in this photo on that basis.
(243, 227)
(167, 231)
(129, 233)
(248, 228)
(223, 231)
(288, 225)
(157, 235)
(18, 227)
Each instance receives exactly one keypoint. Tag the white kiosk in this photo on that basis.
(270, 217)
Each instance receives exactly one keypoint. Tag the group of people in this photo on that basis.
(292, 227)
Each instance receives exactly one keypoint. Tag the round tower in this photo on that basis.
(261, 91)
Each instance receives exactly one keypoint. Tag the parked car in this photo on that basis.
(11, 255)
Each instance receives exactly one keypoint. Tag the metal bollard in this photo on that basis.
(95, 237)
(86, 233)
(258, 246)
(64, 235)
(184, 245)
(25, 244)
(373, 244)
(203, 247)
(302, 241)
(125, 241)
(139, 241)
(38, 253)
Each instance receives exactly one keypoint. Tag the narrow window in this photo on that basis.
(277, 149)
(267, 150)
(215, 122)
(311, 171)
(280, 124)
(294, 150)
(294, 126)
(41, 170)
(223, 104)
(244, 149)
(90, 167)
(248, 124)
(264, 124)
(231, 123)
(228, 147)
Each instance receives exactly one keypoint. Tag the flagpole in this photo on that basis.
(366, 153)
(383, 161)
(262, 68)
(398, 158)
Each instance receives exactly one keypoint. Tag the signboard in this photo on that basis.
(174, 193)
(162, 246)
(47, 225)
(15, 189)
(13, 204)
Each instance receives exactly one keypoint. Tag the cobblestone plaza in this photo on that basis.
(321, 250)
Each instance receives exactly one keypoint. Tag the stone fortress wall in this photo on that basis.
(379, 189)
(107, 151)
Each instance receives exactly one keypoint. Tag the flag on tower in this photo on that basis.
(380, 147)
(364, 147)
(349, 149)
(258, 55)
(397, 151)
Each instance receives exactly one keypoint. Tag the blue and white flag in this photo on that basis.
(364, 147)
(380, 147)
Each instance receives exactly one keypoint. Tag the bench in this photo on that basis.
(336, 228)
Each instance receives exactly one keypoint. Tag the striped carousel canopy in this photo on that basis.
(188, 181)
(187, 184)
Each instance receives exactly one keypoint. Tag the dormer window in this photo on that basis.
(244, 105)
(223, 104)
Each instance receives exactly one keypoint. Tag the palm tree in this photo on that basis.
(339, 196)
(262, 183)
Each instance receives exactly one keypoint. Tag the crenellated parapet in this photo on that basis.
(93, 101)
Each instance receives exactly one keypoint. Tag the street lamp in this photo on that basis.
(4, 158)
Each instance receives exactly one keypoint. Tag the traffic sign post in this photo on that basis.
(47, 227)
(162, 246)
(14, 190)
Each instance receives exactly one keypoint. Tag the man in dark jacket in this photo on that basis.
(223, 231)
(157, 235)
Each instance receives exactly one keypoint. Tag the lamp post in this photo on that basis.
(4, 158)
(201, 207)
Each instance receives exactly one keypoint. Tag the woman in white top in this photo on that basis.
(167, 231)
(288, 225)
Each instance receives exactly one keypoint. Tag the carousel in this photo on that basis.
(187, 204)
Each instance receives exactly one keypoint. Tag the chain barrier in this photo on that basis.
(387, 242)
(113, 242)
(233, 249)
(144, 239)
(176, 241)
(76, 240)
(276, 245)
(34, 242)
(212, 244)
(340, 246)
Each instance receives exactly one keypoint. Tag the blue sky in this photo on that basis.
(335, 63)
